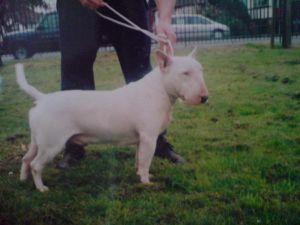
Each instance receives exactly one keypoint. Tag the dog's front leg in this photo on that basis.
(145, 153)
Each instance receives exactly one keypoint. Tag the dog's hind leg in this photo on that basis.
(29, 156)
(39, 162)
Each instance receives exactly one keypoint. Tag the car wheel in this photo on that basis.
(21, 52)
(218, 34)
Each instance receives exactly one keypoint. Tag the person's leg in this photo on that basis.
(133, 49)
(79, 45)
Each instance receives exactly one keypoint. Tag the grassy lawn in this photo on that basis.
(243, 151)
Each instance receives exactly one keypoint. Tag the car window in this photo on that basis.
(197, 20)
(50, 22)
(178, 20)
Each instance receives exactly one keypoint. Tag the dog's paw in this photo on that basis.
(43, 188)
(150, 184)
(23, 177)
(145, 179)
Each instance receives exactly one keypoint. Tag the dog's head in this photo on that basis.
(183, 77)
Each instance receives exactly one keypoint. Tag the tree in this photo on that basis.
(233, 13)
(14, 12)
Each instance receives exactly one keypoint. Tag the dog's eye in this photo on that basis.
(186, 73)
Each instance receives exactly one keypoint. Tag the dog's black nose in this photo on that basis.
(204, 99)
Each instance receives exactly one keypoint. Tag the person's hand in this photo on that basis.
(165, 30)
(92, 4)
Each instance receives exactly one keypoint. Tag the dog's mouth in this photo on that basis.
(193, 100)
(189, 101)
(182, 98)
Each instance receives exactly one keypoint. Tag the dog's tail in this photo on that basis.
(32, 91)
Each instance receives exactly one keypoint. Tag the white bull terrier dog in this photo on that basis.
(133, 114)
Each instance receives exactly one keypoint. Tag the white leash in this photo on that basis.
(133, 26)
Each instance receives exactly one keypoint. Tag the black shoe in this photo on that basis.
(72, 156)
(165, 150)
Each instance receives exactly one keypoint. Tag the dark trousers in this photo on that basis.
(81, 32)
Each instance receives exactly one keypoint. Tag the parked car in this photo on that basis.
(44, 37)
(196, 27)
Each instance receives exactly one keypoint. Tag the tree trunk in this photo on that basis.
(273, 21)
(286, 35)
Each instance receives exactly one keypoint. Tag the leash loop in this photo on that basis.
(133, 26)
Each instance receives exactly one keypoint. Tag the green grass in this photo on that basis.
(243, 151)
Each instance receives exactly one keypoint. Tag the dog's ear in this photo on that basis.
(163, 60)
(194, 52)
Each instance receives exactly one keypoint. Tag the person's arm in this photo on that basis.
(165, 10)
(92, 4)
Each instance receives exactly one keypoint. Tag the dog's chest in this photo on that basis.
(167, 118)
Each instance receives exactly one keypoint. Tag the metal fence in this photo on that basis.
(32, 26)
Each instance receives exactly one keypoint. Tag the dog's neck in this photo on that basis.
(155, 81)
